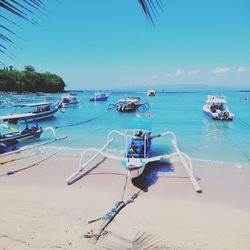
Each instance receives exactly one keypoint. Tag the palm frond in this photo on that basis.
(22, 9)
(150, 8)
(28, 9)
(141, 241)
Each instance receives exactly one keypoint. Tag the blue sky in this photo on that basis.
(109, 43)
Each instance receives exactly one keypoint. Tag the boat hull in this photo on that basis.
(67, 105)
(36, 116)
(210, 116)
(135, 172)
(100, 99)
(9, 143)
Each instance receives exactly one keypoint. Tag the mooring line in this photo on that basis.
(16, 159)
(243, 122)
(109, 217)
(11, 172)
(82, 122)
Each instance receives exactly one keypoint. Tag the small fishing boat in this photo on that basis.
(9, 140)
(99, 97)
(216, 108)
(129, 104)
(42, 110)
(68, 101)
(137, 154)
(245, 99)
(151, 93)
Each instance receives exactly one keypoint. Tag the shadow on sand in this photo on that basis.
(150, 174)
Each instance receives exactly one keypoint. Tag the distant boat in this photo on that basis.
(69, 101)
(129, 104)
(216, 108)
(151, 93)
(245, 99)
(43, 110)
(99, 97)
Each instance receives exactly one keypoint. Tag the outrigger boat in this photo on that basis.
(129, 104)
(216, 108)
(137, 154)
(11, 139)
(99, 97)
(43, 110)
(68, 101)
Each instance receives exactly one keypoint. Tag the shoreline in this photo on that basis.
(38, 209)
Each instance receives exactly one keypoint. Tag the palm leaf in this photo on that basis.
(141, 241)
(28, 10)
(150, 8)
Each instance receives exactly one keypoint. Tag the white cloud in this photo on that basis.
(167, 75)
(194, 72)
(220, 70)
(241, 69)
(180, 72)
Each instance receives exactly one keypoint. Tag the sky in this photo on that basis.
(100, 44)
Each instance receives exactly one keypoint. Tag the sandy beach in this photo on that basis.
(40, 211)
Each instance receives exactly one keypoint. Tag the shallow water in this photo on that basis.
(181, 113)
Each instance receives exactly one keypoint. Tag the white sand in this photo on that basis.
(39, 211)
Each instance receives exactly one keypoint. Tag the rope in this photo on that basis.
(16, 159)
(125, 186)
(243, 122)
(11, 172)
(82, 122)
(109, 217)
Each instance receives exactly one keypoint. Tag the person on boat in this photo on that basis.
(139, 134)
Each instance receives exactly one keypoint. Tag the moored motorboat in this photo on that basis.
(68, 101)
(216, 108)
(42, 110)
(99, 97)
(151, 93)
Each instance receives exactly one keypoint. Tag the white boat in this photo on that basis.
(68, 101)
(137, 154)
(42, 110)
(99, 97)
(151, 93)
(216, 108)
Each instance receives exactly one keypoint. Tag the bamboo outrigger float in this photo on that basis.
(137, 155)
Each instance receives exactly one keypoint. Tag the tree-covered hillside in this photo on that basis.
(30, 80)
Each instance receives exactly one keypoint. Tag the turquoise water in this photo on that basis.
(178, 112)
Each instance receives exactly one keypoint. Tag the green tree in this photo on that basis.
(29, 68)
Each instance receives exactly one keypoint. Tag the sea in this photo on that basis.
(205, 140)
